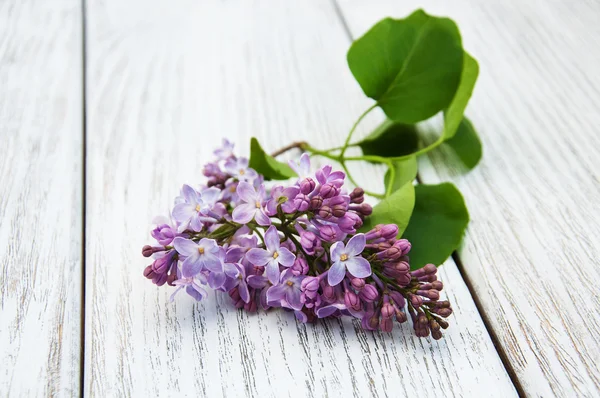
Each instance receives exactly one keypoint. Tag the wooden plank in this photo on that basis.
(530, 251)
(40, 197)
(166, 82)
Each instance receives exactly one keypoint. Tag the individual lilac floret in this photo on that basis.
(251, 206)
(348, 257)
(196, 208)
(225, 151)
(198, 256)
(289, 290)
(192, 287)
(272, 256)
(283, 197)
(240, 170)
(326, 176)
(302, 168)
(165, 232)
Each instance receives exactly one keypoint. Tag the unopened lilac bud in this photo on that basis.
(386, 325)
(437, 285)
(164, 234)
(357, 283)
(338, 210)
(387, 310)
(398, 299)
(404, 246)
(316, 202)
(328, 233)
(429, 269)
(172, 278)
(357, 195)
(430, 294)
(307, 185)
(403, 280)
(325, 212)
(369, 293)
(352, 301)
(428, 278)
(148, 250)
(393, 253)
(250, 306)
(148, 272)
(442, 304)
(328, 191)
(374, 321)
(364, 209)
(328, 292)
(443, 312)
(300, 266)
(160, 279)
(443, 323)
(309, 241)
(416, 301)
(302, 202)
(310, 286)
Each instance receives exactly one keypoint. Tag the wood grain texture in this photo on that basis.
(40, 197)
(166, 81)
(531, 248)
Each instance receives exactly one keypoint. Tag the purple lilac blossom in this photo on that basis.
(347, 257)
(272, 256)
(251, 206)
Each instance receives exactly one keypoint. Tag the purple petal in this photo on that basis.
(257, 281)
(358, 267)
(210, 195)
(263, 299)
(276, 293)
(183, 211)
(189, 289)
(244, 293)
(292, 296)
(356, 245)
(273, 272)
(191, 266)
(244, 213)
(286, 257)
(329, 309)
(258, 256)
(211, 262)
(231, 270)
(301, 316)
(272, 239)
(246, 192)
(185, 247)
(262, 218)
(235, 254)
(336, 251)
(216, 279)
(196, 222)
(190, 194)
(336, 273)
(305, 163)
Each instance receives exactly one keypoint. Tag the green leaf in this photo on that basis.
(266, 165)
(466, 144)
(454, 114)
(437, 224)
(405, 172)
(411, 67)
(391, 139)
(395, 209)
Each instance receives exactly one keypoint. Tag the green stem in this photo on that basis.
(349, 137)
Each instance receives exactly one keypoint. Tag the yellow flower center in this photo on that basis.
(198, 208)
(201, 250)
(275, 255)
(290, 283)
(232, 188)
(344, 257)
(242, 172)
(257, 204)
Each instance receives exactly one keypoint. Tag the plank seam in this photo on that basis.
(84, 194)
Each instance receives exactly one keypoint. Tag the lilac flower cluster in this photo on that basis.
(295, 247)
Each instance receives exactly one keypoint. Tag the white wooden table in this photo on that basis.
(97, 138)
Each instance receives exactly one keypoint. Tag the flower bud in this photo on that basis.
(316, 202)
(148, 272)
(309, 241)
(307, 185)
(148, 250)
(416, 301)
(357, 195)
(403, 245)
(443, 312)
(339, 210)
(387, 310)
(310, 286)
(328, 191)
(430, 294)
(389, 231)
(369, 293)
(374, 321)
(302, 202)
(437, 285)
(357, 283)
(164, 234)
(300, 266)
(352, 301)
(386, 325)
(328, 233)
(325, 212)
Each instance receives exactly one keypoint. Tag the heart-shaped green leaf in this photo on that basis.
(437, 224)
(405, 172)
(395, 209)
(266, 165)
(466, 144)
(411, 67)
(390, 140)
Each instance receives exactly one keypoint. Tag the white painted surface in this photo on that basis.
(166, 81)
(531, 248)
(40, 198)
